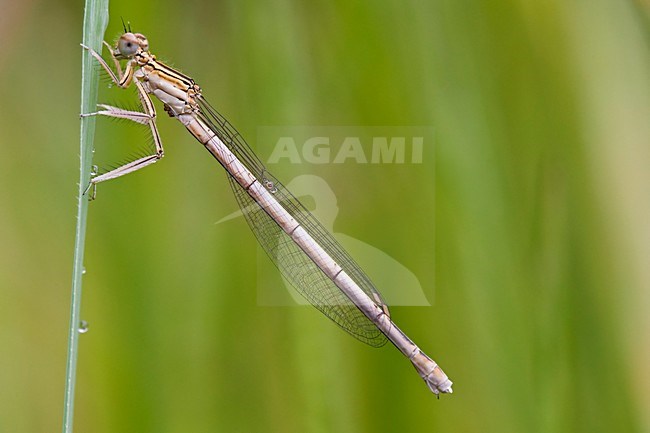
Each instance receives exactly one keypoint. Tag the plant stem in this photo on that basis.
(95, 21)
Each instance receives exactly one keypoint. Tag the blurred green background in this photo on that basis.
(538, 195)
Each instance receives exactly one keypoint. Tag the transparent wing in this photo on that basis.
(291, 260)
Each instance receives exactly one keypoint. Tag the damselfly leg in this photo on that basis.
(145, 117)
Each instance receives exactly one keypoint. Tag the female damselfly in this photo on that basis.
(305, 253)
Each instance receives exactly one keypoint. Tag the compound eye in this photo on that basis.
(128, 45)
(142, 41)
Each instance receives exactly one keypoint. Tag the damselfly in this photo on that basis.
(305, 253)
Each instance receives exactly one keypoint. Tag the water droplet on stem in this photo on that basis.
(83, 327)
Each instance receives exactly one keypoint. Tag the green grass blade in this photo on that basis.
(95, 22)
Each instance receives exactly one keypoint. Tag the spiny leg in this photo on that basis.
(118, 67)
(122, 79)
(147, 117)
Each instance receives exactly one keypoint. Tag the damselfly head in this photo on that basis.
(129, 44)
